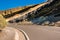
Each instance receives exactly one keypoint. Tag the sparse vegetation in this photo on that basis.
(3, 22)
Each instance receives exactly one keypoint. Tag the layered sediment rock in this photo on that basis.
(49, 12)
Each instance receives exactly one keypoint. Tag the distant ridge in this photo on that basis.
(18, 9)
(49, 11)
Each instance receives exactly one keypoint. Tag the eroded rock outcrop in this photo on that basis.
(37, 14)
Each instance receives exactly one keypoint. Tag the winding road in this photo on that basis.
(37, 32)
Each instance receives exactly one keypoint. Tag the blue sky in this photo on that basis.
(7, 4)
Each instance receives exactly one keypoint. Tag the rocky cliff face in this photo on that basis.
(45, 14)
(48, 14)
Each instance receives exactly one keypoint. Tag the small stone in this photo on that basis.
(46, 23)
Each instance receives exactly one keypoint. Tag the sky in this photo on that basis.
(7, 4)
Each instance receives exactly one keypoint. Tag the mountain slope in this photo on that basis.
(47, 13)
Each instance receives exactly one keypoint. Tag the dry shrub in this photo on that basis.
(3, 22)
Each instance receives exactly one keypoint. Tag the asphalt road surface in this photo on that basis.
(37, 32)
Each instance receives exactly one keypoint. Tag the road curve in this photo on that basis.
(37, 32)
